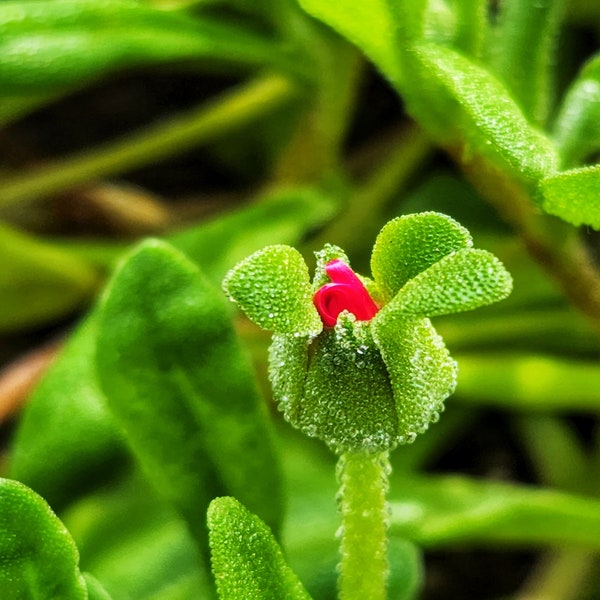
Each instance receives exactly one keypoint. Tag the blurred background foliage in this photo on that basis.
(221, 126)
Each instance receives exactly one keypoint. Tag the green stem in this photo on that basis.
(364, 565)
(200, 126)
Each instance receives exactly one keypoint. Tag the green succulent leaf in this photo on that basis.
(461, 281)
(573, 196)
(179, 385)
(577, 126)
(410, 244)
(66, 437)
(38, 558)
(272, 287)
(465, 102)
(247, 562)
(421, 371)
(439, 511)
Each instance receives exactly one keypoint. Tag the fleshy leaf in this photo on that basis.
(95, 590)
(408, 245)
(465, 102)
(573, 196)
(38, 558)
(461, 281)
(272, 287)
(247, 562)
(420, 368)
(347, 399)
(178, 383)
(328, 253)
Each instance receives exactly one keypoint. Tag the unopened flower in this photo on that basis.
(355, 361)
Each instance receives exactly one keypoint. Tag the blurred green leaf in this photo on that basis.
(95, 590)
(529, 382)
(272, 286)
(136, 544)
(448, 510)
(281, 217)
(576, 130)
(66, 440)
(471, 26)
(247, 562)
(39, 283)
(573, 196)
(177, 382)
(46, 45)
(38, 558)
(369, 25)
(523, 52)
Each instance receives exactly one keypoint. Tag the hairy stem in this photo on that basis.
(364, 564)
(202, 125)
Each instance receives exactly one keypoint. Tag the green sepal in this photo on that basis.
(573, 196)
(421, 371)
(328, 253)
(461, 281)
(272, 286)
(247, 561)
(288, 364)
(38, 557)
(348, 400)
(408, 245)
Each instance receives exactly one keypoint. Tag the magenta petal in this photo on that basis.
(347, 292)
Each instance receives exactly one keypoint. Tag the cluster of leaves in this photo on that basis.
(152, 409)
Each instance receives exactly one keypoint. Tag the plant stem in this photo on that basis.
(199, 126)
(363, 486)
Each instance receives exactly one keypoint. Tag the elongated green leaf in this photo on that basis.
(369, 25)
(410, 244)
(247, 562)
(463, 280)
(446, 510)
(177, 382)
(38, 282)
(471, 26)
(577, 126)
(38, 558)
(45, 45)
(529, 382)
(523, 54)
(272, 286)
(66, 440)
(464, 101)
(573, 196)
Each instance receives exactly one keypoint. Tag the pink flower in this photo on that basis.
(346, 292)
